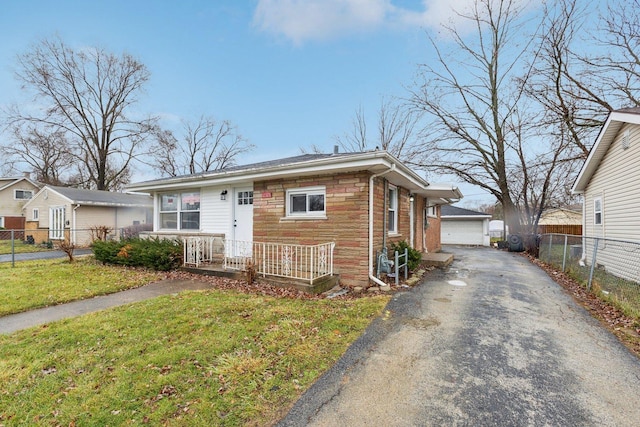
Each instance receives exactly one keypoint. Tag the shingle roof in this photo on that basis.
(103, 198)
(448, 210)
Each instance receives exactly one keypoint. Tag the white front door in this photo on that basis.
(56, 223)
(243, 214)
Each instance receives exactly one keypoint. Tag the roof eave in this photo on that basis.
(373, 161)
(605, 138)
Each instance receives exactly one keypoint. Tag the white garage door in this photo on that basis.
(462, 232)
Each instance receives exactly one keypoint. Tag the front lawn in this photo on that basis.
(35, 284)
(195, 358)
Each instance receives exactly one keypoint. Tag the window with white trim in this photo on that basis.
(431, 211)
(35, 214)
(306, 202)
(392, 204)
(180, 211)
(22, 194)
(597, 211)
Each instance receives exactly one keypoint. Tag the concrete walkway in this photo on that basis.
(28, 256)
(492, 341)
(16, 322)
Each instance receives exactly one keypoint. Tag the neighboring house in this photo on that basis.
(496, 229)
(56, 213)
(609, 182)
(361, 202)
(14, 193)
(464, 227)
(560, 220)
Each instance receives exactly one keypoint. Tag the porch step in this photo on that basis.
(215, 270)
(437, 259)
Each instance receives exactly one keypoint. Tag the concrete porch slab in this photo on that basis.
(437, 259)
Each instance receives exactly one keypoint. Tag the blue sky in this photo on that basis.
(288, 73)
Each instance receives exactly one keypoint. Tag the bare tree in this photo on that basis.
(206, 145)
(583, 73)
(45, 152)
(396, 131)
(88, 95)
(474, 96)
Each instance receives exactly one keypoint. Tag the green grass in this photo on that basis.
(19, 247)
(34, 284)
(622, 294)
(196, 358)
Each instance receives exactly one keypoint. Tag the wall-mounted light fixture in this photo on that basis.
(223, 195)
(411, 197)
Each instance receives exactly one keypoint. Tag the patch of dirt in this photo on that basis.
(626, 328)
(259, 287)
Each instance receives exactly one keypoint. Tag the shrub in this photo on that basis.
(414, 255)
(158, 254)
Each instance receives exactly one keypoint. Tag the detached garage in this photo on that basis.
(464, 227)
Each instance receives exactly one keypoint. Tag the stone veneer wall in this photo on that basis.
(347, 208)
(433, 233)
(347, 222)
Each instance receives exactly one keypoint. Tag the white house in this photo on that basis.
(609, 182)
(56, 213)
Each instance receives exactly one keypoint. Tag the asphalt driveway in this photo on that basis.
(492, 341)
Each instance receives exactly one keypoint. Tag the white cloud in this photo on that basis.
(303, 20)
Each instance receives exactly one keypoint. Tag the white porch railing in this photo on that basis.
(301, 262)
(201, 249)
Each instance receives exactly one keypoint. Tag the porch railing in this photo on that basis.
(300, 262)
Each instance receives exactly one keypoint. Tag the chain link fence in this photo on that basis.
(23, 241)
(608, 267)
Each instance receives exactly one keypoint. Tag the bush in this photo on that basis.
(414, 255)
(158, 254)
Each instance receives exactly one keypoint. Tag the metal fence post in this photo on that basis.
(593, 261)
(550, 243)
(564, 253)
(13, 249)
(406, 262)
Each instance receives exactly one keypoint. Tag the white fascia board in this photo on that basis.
(605, 138)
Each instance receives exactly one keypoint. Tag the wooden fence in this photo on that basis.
(572, 229)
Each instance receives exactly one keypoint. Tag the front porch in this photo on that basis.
(305, 267)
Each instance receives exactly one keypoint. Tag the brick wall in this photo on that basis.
(347, 209)
(433, 233)
(346, 223)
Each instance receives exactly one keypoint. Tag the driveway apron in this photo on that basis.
(492, 341)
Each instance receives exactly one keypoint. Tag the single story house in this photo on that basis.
(14, 193)
(609, 182)
(464, 227)
(56, 213)
(357, 202)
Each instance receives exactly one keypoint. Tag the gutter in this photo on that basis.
(371, 275)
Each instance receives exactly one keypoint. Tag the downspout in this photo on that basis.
(583, 258)
(372, 277)
(73, 225)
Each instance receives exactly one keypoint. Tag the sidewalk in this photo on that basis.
(16, 322)
(27, 256)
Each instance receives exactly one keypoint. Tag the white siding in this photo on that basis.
(617, 183)
(9, 206)
(215, 214)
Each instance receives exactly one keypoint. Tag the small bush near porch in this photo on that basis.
(157, 254)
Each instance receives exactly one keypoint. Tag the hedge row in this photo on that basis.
(158, 254)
